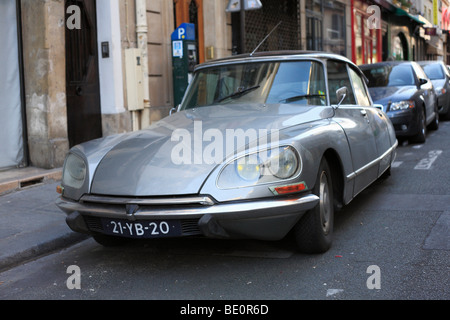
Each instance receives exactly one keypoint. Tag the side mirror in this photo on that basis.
(422, 81)
(378, 106)
(341, 94)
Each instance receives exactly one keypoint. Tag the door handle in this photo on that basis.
(363, 112)
(78, 91)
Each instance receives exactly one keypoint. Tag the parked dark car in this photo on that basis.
(439, 75)
(407, 96)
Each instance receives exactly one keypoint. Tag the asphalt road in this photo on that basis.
(391, 243)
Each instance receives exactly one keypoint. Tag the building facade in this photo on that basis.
(83, 69)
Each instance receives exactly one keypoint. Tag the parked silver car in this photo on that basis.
(262, 145)
(439, 75)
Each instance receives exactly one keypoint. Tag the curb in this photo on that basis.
(41, 249)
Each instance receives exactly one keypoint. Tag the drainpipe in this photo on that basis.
(142, 30)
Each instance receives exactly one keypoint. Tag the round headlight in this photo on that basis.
(74, 171)
(284, 163)
(249, 168)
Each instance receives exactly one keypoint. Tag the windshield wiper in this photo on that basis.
(238, 93)
(295, 98)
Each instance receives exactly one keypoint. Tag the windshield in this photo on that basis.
(433, 71)
(298, 82)
(388, 76)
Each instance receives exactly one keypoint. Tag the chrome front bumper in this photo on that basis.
(265, 219)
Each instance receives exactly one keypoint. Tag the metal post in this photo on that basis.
(142, 30)
(243, 50)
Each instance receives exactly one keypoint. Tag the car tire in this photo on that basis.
(434, 125)
(109, 241)
(447, 115)
(314, 232)
(420, 137)
(386, 174)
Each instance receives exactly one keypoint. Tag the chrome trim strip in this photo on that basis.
(203, 200)
(373, 162)
(261, 208)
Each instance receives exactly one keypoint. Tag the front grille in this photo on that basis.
(189, 227)
(93, 223)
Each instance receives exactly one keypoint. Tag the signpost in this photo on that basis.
(184, 58)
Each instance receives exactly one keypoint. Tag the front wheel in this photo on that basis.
(314, 232)
(420, 137)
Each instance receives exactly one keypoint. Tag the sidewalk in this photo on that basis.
(30, 223)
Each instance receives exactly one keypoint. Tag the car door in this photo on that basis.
(377, 120)
(427, 92)
(355, 121)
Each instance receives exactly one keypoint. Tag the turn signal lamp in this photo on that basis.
(289, 188)
(60, 189)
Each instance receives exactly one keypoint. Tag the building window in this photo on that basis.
(314, 34)
(334, 27)
(358, 39)
(325, 26)
(366, 41)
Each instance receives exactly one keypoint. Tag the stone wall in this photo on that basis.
(44, 68)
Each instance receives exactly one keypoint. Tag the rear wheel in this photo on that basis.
(314, 232)
(434, 125)
(447, 115)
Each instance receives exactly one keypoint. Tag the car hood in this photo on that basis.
(384, 95)
(147, 162)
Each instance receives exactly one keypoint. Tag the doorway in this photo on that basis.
(82, 75)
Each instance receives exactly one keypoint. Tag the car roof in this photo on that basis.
(384, 63)
(274, 56)
(430, 62)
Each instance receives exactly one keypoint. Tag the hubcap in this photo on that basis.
(325, 203)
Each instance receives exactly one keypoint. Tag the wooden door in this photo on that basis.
(82, 75)
(191, 11)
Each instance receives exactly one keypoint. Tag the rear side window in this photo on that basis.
(360, 89)
(338, 77)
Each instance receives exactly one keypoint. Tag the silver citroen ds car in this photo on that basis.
(263, 145)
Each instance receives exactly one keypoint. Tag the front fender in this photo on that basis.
(312, 141)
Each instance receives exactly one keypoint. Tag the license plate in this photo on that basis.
(142, 229)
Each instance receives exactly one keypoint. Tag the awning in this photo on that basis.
(388, 5)
(400, 12)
